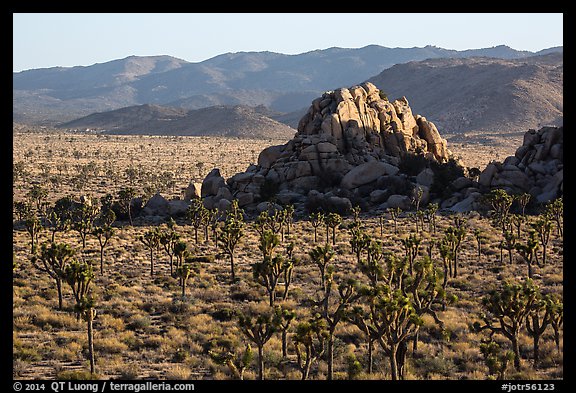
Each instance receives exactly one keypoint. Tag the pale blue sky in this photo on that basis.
(48, 40)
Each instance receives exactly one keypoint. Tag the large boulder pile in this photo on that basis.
(348, 147)
(537, 167)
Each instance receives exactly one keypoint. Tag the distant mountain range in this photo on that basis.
(479, 94)
(233, 121)
(283, 83)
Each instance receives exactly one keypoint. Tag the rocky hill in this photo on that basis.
(235, 121)
(281, 82)
(481, 94)
(352, 147)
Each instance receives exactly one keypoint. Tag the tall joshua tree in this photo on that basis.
(507, 309)
(333, 220)
(259, 327)
(125, 196)
(53, 260)
(268, 272)
(230, 235)
(309, 343)
(168, 240)
(543, 226)
(316, 219)
(79, 275)
(151, 239)
(321, 256)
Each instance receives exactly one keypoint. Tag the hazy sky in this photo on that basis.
(48, 40)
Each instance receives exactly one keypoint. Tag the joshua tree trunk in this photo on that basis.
(102, 260)
(90, 340)
(261, 362)
(516, 349)
(393, 363)
(59, 287)
(370, 355)
(151, 262)
(284, 344)
(232, 267)
(330, 357)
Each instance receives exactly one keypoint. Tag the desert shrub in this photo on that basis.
(269, 190)
(178, 372)
(444, 174)
(109, 345)
(328, 180)
(140, 323)
(129, 373)
(73, 375)
(223, 314)
(412, 164)
(27, 354)
(435, 365)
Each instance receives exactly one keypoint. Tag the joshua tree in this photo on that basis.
(236, 363)
(500, 201)
(417, 194)
(347, 292)
(37, 196)
(198, 216)
(214, 216)
(84, 217)
(103, 234)
(168, 240)
(180, 252)
(356, 210)
(523, 200)
(543, 226)
(125, 196)
(288, 268)
(259, 327)
(268, 272)
(479, 237)
(454, 236)
(288, 218)
(426, 290)
(372, 266)
(321, 256)
(229, 236)
(79, 275)
(509, 243)
(284, 316)
(556, 317)
(151, 239)
(507, 310)
(311, 335)
(430, 211)
(359, 241)
(60, 217)
(333, 220)
(183, 273)
(555, 211)
(411, 246)
(528, 251)
(394, 320)
(53, 261)
(359, 317)
(33, 227)
(447, 256)
(517, 220)
(496, 360)
(395, 213)
(536, 323)
(316, 219)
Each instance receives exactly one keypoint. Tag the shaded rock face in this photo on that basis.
(537, 167)
(348, 140)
